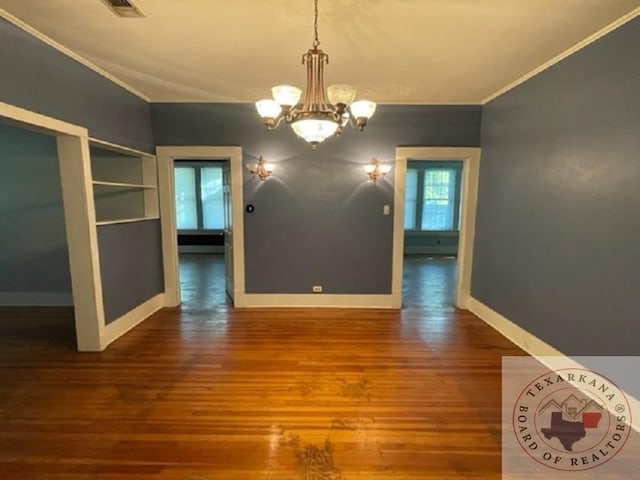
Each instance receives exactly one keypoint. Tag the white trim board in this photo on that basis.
(36, 299)
(537, 348)
(570, 51)
(70, 53)
(115, 329)
(96, 142)
(320, 300)
(470, 158)
(50, 125)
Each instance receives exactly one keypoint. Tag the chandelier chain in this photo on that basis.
(316, 42)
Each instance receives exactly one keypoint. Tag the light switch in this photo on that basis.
(386, 210)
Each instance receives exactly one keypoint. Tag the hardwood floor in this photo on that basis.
(208, 392)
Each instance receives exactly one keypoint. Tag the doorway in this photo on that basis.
(469, 159)
(219, 224)
(36, 301)
(202, 205)
(431, 233)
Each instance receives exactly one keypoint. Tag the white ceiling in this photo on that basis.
(393, 51)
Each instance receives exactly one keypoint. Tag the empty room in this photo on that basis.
(319, 239)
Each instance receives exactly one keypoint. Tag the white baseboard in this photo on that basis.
(538, 348)
(322, 300)
(36, 299)
(122, 325)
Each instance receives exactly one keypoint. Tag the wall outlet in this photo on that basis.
(317, 289)
(386, 210)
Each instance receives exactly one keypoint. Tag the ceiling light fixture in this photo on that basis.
(315, 119)
(261, 169)
(375, 170)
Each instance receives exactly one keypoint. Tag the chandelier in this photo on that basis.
(315, 119)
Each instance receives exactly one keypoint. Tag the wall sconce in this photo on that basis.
(261, 169)
(375, 170)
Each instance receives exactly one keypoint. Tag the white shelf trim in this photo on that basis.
(127, 220)
(122, 184)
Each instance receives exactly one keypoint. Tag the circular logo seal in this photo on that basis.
(571, 419)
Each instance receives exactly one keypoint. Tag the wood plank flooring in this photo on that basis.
(208, 392)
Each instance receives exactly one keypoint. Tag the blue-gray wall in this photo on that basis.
(558, 231)
(38, 77)
(317, 221)
(130, 265)
(34, 263)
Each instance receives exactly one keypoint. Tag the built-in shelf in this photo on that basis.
(123, 185)
(125, 220)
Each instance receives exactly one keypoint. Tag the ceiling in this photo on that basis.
(393, 51)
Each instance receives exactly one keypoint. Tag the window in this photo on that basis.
(411, 199)
(199, 197)
(186, 211)
(439, 193)
(432, 198)
(211, 197)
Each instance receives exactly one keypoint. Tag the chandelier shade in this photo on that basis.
(314, 131)
(286, 95)
(268, 108)
(315, 118)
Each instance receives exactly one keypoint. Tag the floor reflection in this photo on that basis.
(428, 293)
(429, 283)
(202, 282)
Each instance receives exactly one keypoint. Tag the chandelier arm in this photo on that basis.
(273, 122)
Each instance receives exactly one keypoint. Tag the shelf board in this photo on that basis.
(126, 220)
(124, 185)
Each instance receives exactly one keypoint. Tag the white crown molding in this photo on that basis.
(70, 53)
(570, 51)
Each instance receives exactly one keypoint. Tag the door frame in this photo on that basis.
(166, 156)
(79, 215)
(470, 158)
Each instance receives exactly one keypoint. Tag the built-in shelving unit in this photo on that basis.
(125, 186)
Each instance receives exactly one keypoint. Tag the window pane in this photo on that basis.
(185, 185)
(410, 197)
(439, 199)
(212, 198)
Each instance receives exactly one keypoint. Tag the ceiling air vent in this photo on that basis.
(124, 8)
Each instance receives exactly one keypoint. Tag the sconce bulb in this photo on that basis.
(375, 170)
(261, 169)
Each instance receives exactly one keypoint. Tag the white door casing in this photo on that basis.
(166, 156)
(469, 192)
